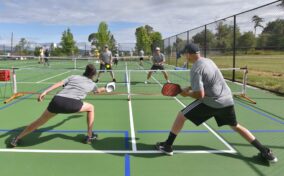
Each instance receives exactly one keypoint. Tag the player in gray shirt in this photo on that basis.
(141, 57)
(158, 60)
(106, 63)
(213, 99)
(68, 100)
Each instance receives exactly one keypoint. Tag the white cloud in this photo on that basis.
(167, 16)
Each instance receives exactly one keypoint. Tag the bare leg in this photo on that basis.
(89, 108)
(37, 123)
(178, 124)
(166, 76)
(149, 75)
(111, 74)
(99, 75)
(245, 133)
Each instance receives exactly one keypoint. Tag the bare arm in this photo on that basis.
(188, 92)
(111, 58)
(101, 90)
(54, 86)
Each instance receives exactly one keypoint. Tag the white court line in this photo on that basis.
(131, 119)
(134, 149)
(53, 76)
(113, 151)
(212, 131)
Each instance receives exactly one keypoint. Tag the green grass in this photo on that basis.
(265, 71)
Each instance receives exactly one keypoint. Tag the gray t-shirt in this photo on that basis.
(141, 53)
(106, 57)
(158, 58)
(206, 76)
(77, 87)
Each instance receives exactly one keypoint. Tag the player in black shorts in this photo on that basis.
(46, 55)
(66, 101)
(213, 99)
(141, 55)
(158, 64)
(106, 63)
(115, 60)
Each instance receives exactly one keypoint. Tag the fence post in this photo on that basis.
(205, 41)
(234, 48)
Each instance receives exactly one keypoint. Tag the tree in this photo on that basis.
(22, 47)
(156, 40)
(93, 39)
(147, 39)
(274, 34)
(143, 40)
(224, 36)
(68, 44)
(37, 51)
(102, 37)
(149, 29)
(257, 22)
(210, 39)
(246, 41)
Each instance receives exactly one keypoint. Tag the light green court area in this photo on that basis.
(128, 131)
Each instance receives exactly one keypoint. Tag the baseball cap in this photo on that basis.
(191, 49)
(157, 49)
(106, 46)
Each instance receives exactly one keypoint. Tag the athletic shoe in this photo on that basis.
(168, 81)
(14, 142)
(113, 80)
(89, 140)
(166, 149)
(268, 155)
(146, 82)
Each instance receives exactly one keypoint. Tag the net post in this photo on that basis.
(244, 87)
(14, 81)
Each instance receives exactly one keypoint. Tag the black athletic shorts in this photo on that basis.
(64, 105)
(157, 67)
(198, 112)
(104, 67)
(141, 58)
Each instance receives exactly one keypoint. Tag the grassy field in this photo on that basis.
(265, 71)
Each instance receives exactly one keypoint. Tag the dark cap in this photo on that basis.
(191, 49)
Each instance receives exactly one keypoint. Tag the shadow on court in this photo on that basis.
(35, 138)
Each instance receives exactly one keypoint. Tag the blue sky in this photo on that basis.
(45, 20)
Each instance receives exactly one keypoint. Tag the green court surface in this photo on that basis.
(128, 130)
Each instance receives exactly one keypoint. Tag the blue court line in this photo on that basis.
(126, 134)
(71, 131)
(126, 137)
(261, 113)
(206, 131)
(127, 165)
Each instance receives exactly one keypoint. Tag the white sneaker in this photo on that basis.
(168, 81)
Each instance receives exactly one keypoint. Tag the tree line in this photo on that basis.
(270, 38)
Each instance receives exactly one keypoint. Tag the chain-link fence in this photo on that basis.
(254, 38)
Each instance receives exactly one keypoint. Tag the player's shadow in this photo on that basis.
(151, 147)
(35, 138)
(255, 160)
(111, 143)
